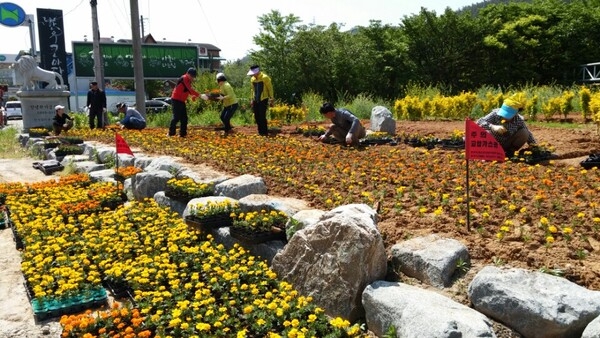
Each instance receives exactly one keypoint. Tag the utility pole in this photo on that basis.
(98, 58)
(138, 67)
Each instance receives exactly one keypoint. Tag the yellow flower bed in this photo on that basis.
(185, 286)
(186, 188)
(260, 220)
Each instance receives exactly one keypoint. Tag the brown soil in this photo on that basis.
(570, 145)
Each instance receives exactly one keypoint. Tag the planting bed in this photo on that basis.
(570, 147)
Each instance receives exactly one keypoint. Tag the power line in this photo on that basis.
(207, 22)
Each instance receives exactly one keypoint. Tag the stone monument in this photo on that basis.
(37, 104)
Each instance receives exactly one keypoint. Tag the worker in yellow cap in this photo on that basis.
(507, 126)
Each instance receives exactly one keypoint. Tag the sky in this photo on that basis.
(229, 25)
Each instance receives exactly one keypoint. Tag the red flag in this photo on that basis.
(122, 146)
(481, 145)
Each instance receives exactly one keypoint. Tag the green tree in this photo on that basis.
(445, 50)
(391, 68)
(276, 33)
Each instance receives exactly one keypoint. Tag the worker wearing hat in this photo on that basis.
(61, 121)
(261, 96)
(507, 126)
(183, 89)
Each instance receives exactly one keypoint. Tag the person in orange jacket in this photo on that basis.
(180, 94)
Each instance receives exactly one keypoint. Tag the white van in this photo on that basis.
(13, 110)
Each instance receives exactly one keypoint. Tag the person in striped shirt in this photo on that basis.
(507, 126)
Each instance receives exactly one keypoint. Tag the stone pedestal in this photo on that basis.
(37, 106)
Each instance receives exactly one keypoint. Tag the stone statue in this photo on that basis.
(31, 72)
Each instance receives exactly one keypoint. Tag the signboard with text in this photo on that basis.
(53, 55)
(159, 61)
(480, 144)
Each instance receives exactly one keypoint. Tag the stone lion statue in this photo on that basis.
(30, 71)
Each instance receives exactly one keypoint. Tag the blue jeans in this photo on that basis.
(227, 114)
(135, 123)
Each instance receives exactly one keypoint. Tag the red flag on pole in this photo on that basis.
(481, 145)
(122, 146)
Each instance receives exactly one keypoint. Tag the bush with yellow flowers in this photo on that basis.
(287, 113)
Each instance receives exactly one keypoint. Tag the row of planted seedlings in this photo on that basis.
(249, 227)
(182, 283)
(432, 180)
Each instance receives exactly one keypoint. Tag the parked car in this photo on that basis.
(156, 106)
(165, 99)
(13, 110)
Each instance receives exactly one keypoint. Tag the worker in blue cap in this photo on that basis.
(507, 126)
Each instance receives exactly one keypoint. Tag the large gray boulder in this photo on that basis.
(333, 261)
(417, 313)
(431, 259)
(382, 120)
(146, 184)
(535, 304)
(241, 186)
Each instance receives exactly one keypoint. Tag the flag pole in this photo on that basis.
(468, 200)
(117, 163)
(467, 158)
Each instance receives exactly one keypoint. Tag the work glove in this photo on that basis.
(104, 110)
(349, 138)
(220, 98)
(65, 125)
(498, 129)
(322, 138)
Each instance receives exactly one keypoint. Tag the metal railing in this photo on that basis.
(590, 72)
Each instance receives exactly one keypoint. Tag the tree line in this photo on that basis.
(499, 45)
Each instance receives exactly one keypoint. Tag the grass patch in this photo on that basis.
(9, 144)
(205, 118)
(556, 124)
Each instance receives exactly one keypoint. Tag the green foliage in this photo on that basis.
(391, 332)
(110, 161)
(312, 101)
(501, 45)
(462, 265)
(362, 105)
(80, 120)
(159, 119)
